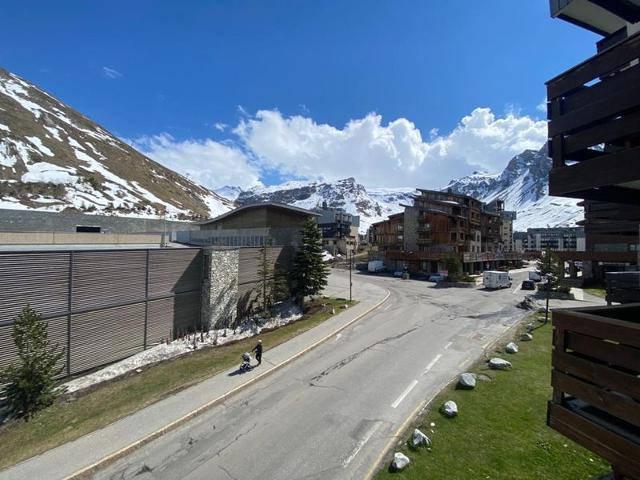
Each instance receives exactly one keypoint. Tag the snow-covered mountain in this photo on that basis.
(54, 158)
(372, 205)
(524, 187)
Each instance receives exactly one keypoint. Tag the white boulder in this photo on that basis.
(419, 439)
(526, 337)
(511, 348)
(467, 381)
(400, 461)
(499, 364)
(450, 409)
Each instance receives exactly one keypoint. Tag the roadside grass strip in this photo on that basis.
(70, 419)
(500, 432)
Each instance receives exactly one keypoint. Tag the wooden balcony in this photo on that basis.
(596, 382)
(594, 126)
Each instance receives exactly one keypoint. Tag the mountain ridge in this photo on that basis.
(54, 158)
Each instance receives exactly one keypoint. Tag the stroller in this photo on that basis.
(245, 366)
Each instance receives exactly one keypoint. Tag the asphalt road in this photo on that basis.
(329, 414)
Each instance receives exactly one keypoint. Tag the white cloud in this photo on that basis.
(206, 162)
(542, 106)
(388, 155)
(111, 73)
(220, 126)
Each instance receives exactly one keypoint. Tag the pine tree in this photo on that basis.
(30, 381)
(265, 279)
(548, 266)
(281, 290)
(309, 275)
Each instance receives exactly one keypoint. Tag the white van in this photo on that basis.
(376, 266)
(495, 279)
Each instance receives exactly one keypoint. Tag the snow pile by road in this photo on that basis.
(286, 312)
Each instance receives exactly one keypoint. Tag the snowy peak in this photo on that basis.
(524, 186)
(54, 158)
(371, 205)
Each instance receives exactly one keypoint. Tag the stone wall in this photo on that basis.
(220, 287)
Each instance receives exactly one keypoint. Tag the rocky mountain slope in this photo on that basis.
(372, 205)
(54, 158)
(524, 186)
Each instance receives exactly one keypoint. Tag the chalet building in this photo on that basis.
(594, 142)
(339, 229)
(252, 226)
(444, 223)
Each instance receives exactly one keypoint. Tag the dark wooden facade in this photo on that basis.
(596, 382)
(594, 126)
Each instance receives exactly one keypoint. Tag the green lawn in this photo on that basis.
(598, 292)
(501, 432)
(67, 421)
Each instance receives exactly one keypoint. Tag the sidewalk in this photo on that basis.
(79, 456)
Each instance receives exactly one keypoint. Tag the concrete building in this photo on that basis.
(558, 239)
(339, 229)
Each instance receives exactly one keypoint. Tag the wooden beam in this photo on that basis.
(594, 67)
(608, 170)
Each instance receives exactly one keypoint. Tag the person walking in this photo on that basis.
(258, 350)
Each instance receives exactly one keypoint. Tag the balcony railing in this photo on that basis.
(596, 382)
(593, 104)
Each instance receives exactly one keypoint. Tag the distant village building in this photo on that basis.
(557, 239)
(339, 229)
(444, 223)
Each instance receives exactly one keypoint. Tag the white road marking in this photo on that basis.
(387, 307)
(338, 336)
(404, 394)
(446, 347)
(431, 364)
(517, 289)
(360, 444)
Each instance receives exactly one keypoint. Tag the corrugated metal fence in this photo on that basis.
(102, 305)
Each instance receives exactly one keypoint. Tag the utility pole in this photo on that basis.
(548, 275)
(350, 265)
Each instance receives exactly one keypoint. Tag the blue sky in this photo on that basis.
(164, 73)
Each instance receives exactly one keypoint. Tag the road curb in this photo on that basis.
(401, 431)
(87, 472)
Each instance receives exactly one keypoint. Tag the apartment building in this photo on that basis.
(440, 224)
(339, 229)
(558, 239)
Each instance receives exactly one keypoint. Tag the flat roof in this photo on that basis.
(281, 206)
(85, 246)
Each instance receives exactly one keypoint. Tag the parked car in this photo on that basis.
(528, 285)
(535, 276)
(398, 273)
(436, 277)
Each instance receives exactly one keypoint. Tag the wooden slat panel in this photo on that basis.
(105, 278)
(597, 66)
(617, 405)
(612, 130)
(607, 87)
(174, 271)
(591, 324)
(612, 353)
(614, 448)
(598, 110)
(596, 373)
(38, 279)
(104, 336)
